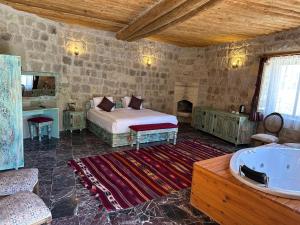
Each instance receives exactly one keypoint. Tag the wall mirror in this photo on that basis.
(38, 84)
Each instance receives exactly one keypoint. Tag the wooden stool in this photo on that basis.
(39, 123)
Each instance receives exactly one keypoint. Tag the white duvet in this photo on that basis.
(119, 120)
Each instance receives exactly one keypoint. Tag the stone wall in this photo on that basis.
(224, 87)
(108, 67)
(112, 67)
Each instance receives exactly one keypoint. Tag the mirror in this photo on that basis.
(36, 84)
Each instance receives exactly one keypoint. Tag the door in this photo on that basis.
(11, 123)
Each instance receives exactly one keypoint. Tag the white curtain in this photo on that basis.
(27, 81)
(280, 89)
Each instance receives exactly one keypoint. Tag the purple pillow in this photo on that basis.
(135, 103)
(106, 105)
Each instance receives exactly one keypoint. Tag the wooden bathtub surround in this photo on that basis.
(226, 200)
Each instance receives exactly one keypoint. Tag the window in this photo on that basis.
(27, 82)
(280, 89)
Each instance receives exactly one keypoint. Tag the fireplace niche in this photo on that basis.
(186, 97)
(184, 109)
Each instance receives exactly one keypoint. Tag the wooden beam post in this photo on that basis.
(163, 15)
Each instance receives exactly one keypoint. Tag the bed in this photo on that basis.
(113, 127)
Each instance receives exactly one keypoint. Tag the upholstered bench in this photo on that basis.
(139, 130)
(14, 181)
(24, 208)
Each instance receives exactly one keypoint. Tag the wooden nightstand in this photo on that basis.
(74, 120)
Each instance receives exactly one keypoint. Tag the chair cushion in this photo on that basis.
(40, 119)
(24, 208)
(14, 181)
(266, 138)
(293, 145)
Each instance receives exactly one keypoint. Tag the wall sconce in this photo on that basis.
(148, 60)
(237, 58)
(76, 51)
(237, 61)
(76, 47)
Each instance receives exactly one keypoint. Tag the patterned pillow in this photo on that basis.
(106, 105)
(135, 103)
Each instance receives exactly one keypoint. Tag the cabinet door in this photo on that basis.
(199, 119)
(11, 122)
(77, 120)
(219, 125)
(231, 126)
(196, 118)
(208, 122)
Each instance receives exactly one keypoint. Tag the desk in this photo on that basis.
(38, 111)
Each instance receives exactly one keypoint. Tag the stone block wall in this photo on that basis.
(116, 68)
(108, 66)
(224, 87)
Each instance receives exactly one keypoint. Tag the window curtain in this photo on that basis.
(255, 115)
(280, 89)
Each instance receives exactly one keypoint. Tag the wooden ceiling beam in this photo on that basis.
(148, 17)
(162, 16)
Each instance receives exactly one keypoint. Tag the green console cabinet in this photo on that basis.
(74, 120)
(234, 128)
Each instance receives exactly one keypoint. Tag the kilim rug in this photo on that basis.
(127, 178)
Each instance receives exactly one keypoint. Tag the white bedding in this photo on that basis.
(118, 121)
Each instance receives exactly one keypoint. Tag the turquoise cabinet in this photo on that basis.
(74, 120)
(11, 123)
(234, 128)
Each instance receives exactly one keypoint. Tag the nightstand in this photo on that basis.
(74, 120)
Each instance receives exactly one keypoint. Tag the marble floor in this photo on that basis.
(71, 203)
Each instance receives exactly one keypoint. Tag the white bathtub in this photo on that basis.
(281, 165)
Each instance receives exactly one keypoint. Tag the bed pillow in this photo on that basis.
(106, 105)
(126, 100)
(98, 100)
(135, 103)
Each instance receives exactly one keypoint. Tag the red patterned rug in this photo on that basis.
(127, 178)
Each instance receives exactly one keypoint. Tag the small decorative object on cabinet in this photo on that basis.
(11, 124)
(74, 120)
(234, 128)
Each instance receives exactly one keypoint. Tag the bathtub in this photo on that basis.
(281, 166)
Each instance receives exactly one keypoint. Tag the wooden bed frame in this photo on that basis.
(124, 139)
(226, 200)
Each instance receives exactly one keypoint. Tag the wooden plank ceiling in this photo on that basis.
(180, 22)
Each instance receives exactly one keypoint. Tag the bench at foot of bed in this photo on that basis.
(137, 132)
(118, 140)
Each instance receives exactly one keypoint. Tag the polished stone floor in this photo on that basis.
(71, 203)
